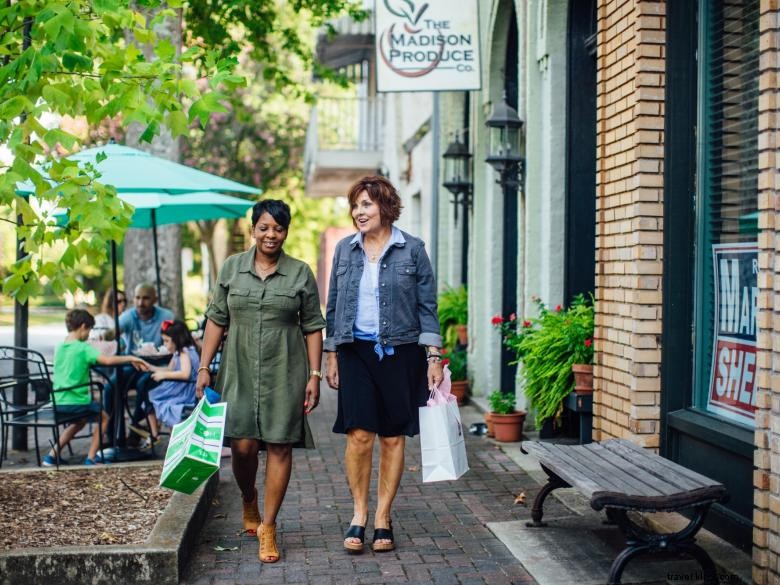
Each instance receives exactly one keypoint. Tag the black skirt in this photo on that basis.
(381, 396)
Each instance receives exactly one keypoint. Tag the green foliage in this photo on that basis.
(260, 140)
(75, 59)
(453, 306)
(274, 33)
(547, 346)
(453, 310)
(456, 360)
(103, 61)
(501, 402)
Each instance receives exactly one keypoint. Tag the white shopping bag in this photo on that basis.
(441, 436)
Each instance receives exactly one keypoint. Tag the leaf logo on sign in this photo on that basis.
(406, 9)
(389, 41)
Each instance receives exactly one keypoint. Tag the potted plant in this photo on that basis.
(547, 346)
(507, 422)
(453, 315)
(582, 368)
(455, 358)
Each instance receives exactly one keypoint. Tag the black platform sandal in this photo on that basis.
(383, 534)
(358, 532)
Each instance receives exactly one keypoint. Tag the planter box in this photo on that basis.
(160, 560)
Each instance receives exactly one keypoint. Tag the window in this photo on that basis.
(726, 211)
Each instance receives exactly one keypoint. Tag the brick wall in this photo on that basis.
(766, 516)
(629, 207)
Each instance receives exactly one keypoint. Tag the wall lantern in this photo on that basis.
(504, 156)
(457, 174)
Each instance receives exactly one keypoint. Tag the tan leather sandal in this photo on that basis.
(251, 515)
(268, 553)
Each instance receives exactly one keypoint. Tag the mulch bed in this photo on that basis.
(80, 507)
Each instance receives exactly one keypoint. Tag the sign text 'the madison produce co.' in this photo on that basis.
(427, 46)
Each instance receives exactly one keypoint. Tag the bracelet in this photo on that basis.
(434, 358)
(317, 373)
(204, 368)
(430, 354)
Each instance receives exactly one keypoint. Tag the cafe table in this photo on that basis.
(119, 450)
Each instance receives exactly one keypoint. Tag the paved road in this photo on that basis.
(440, 528)
(42, 338)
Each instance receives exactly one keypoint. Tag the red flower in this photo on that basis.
(512, 317)
(588, 342)
(444, 362)
(497, 320)
(443, 351)
(558, 309)
(526, 324)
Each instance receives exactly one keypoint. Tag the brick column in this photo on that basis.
(766, 478)
(629, 206)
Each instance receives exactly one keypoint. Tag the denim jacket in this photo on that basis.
(407, 294)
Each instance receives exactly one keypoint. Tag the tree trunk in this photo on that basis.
(207, 228)
(138, 244)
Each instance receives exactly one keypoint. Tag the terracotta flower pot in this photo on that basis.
(583, 378)
(463, 334)
(460, 390)
(489, 423)
(508, 428)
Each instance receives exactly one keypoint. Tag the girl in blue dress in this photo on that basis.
(177, 380)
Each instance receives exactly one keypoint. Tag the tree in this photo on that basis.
(138, 257)
(275, 34)
(71, 59)
(75, 59)
(259, 140)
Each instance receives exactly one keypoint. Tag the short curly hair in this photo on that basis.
(276, 208)
(381, 192)
(75, 318)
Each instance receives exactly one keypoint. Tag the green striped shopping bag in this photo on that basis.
(195, 448)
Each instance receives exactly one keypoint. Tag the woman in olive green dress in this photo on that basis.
(270, 369)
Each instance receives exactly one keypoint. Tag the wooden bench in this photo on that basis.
(619, 476)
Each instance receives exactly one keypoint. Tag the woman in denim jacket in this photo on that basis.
(383, 343)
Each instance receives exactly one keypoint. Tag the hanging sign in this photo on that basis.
(733, 372)
(427, 45)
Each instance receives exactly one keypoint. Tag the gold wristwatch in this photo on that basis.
(317, 373)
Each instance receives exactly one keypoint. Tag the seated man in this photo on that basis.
(139, 325)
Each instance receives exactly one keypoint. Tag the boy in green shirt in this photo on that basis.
(72, 360)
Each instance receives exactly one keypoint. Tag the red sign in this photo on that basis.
(733, 373)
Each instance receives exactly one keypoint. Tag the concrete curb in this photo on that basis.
(160, 560)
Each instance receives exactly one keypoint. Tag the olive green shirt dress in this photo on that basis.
(264, 367)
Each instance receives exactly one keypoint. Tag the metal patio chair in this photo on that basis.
(27, 369)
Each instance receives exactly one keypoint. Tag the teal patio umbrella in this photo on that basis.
(134, 171)
(144, 180)
(153, 209)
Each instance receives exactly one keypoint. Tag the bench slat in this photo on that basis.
(570, 469)
(658, 467)
(618, 473)
(691, 479)
(614, 473)
(644, 484)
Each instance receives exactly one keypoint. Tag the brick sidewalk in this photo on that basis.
(440, 528)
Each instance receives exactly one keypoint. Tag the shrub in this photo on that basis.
(453, 310)
(456, 359)
(501, 402)
(547, 346)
